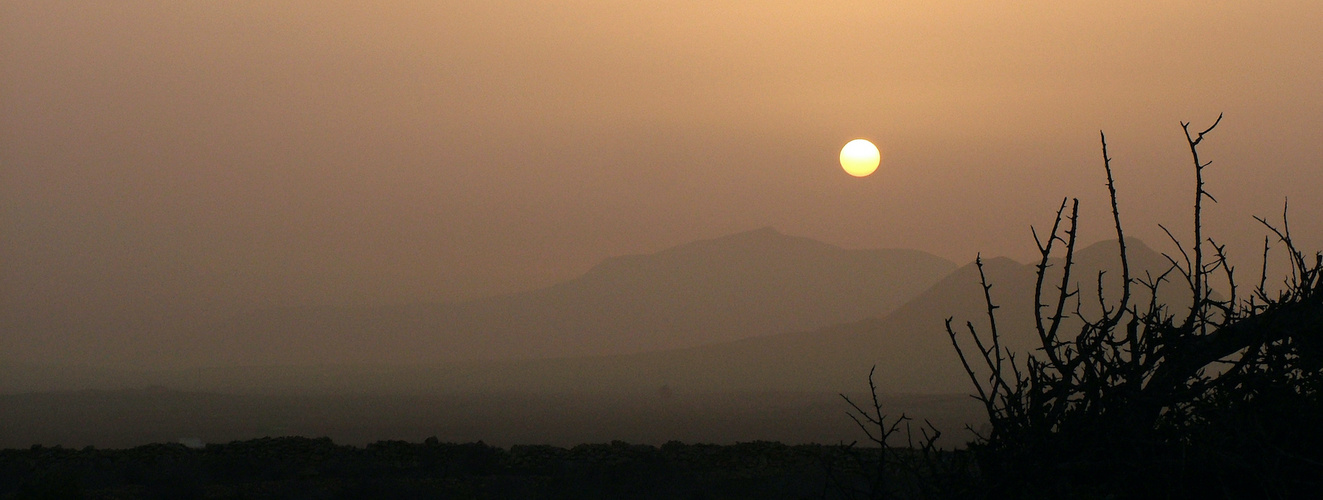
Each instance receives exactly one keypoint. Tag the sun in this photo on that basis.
(860, 157)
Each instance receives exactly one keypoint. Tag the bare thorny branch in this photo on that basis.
(1199, 194)
(874, 425)
(1138, 372)
(1136, 366)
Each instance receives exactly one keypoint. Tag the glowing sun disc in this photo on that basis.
(860, 157)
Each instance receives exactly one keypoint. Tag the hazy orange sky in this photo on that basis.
(248, 153)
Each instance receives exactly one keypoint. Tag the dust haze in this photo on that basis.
(424, 187)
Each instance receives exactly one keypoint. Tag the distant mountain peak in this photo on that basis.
(768, 230)
(765, 233)
(763, 238)
(1108, 246)
(999, 261)
(754, 241)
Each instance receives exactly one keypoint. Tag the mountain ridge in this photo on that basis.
(752, 283)
(909, 346)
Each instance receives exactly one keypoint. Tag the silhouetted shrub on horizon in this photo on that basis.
(1224, 400)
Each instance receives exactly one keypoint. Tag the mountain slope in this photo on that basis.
(909, 346)
(748, 284)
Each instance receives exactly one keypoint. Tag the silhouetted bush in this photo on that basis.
(1151, 400)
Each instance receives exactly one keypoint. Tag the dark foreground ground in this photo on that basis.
(303, 468)
(134, 417)
(131, 443)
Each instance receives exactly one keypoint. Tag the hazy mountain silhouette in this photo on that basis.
(910, 347)
(748, 284)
